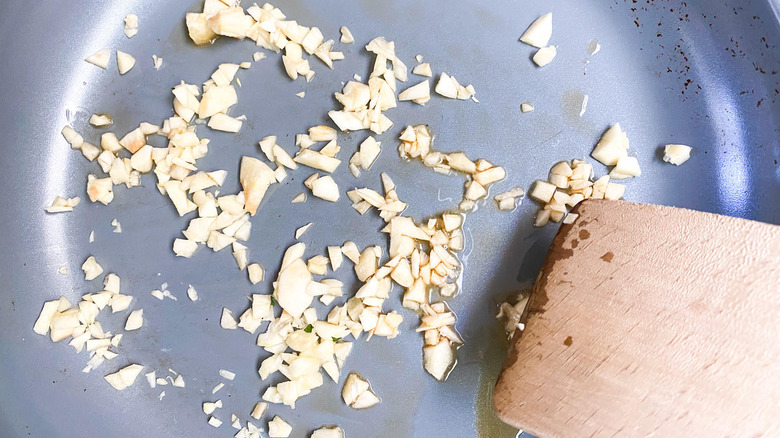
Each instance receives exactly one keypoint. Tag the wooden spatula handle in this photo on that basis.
(650, 321)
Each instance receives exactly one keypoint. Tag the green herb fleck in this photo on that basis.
(308, 328)
(335, 339)
(273, 301)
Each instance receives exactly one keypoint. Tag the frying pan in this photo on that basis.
(692, 72)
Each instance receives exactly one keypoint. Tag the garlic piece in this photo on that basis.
(101, 120)
(539, 32)
(676, 153)
(255, 177)
(423, 69)
(131, 25)
(328, 432)
(225, 123)
(91, 268)
(357, 392)
(300, 197)
(192, 294)
(302, 230)
(214, 422)
(278, 428)
(439, 359)
(545, 55)
(157, 62)
(526, 107)
(124, 377)
(135, 320)
(227, 321)
(325, 188)
(612, 145)
(626, 167)
(99, 58)
(346, 36)
(417, 93)
(259, 410)
(60, 204)
(255, 272)
(229, 375)
(124, 62)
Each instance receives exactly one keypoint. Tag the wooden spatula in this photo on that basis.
(650, 321)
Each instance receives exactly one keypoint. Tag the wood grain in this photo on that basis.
(650, 321)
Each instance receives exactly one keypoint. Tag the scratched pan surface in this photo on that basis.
(702, 74)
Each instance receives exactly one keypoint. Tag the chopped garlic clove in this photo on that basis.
(626, 167)
(135, 320)
(357, 392)
(302, 230)
(255, 272)
(255, 177)
(213, 421)
(439, 359)
(61, 204)
(99, 58)
(676, 153)
(346, 36)
(328, 432)
(101, 120)
(229, 375)
(124, 377)
(225, 123)
(612, 145)
(278, 428)
(423, 69)
(259, 410)
(325, 188)
(545, 55)
(124, 62)
(415, 92)
(91, 268)
(300, 197)
(227, 320)
(131, 25)
(526, 107)
(539, 32)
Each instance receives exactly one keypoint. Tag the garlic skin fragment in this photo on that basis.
(124, 62)
(278, 428)
(124, 377)
(328, 432)
(539, 32)
(99, 58)
(676, 153)
(545, 55)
